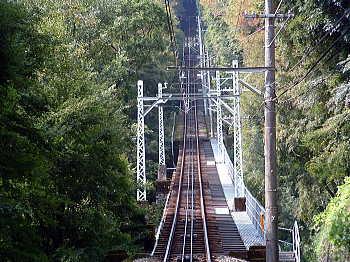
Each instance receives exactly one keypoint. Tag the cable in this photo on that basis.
(171, 23)
(314, 47)
(278, 7)
(168, 21)
(239, 15)
(174, 35)
(258, 30)
(171, 30)
(316, 63)
(303, 93)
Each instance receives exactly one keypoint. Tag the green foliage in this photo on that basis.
(332, 226)
(218, 38)
(313, 127)
(67, 84)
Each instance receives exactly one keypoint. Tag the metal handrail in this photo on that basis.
(252, 203)
(159, 229)
(207, 248)
(172, 232)
(296, 242)
(285, 229)
(255, 209)
(253, 206)
(285, 242)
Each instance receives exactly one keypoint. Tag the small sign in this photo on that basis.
(210, 163)
(222, 211)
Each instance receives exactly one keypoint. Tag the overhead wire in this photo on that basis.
(324, 54)
(278, 7)
(311, 49)
(238, 16)
(171, 22)
(168, 21)
(171, 30)
(314, 47)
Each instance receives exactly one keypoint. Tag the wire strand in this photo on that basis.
(314, 47)
(316, 63)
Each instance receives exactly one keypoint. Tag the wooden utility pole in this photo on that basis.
(271, 201)
(271, 208)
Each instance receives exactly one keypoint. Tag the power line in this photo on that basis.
(168, 21)
(314, 47)
(316, 63)
(278, 7)
(171, 29)
(239, 15)
(171, 22)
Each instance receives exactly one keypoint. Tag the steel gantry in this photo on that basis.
(161, 146)
(229, 84)
(225, 98)
(219, 118)
(237, 135)
(141, 153)
(141, 160)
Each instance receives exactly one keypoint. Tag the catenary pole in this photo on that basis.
(271, 223)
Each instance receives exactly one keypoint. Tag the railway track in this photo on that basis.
(184, 234)
(191, 229)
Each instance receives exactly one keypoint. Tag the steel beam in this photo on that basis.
(237, 136)
(251, 88)
(227, 69)
(141, 161)
(219, 118)
(161, 147)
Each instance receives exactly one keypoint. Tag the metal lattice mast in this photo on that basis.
(209, 100)
(141, 161)
(202, 62)
(161, 127)
(219, 118)
(237, 139)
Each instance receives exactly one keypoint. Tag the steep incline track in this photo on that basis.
(191, 228)
(184, 234)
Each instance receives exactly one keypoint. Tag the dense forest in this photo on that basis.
(313, 127)
(68, 73)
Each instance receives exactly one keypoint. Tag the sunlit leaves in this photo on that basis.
(333, 226)
(67, 192)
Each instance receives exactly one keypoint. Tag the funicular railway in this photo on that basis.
(191, 228)
(201, 220)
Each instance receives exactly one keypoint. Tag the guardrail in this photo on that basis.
(161, 224)
(296, 242)
(254, 209)
(294, 247)
(256, 213)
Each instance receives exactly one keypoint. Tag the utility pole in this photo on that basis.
(271, 208)
(271, 198)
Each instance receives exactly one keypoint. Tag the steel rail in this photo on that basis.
(192, 163)
(173, 227)
(192, 208)
(190, 144)
(186, 208)
(161, 224)
(203, 214)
